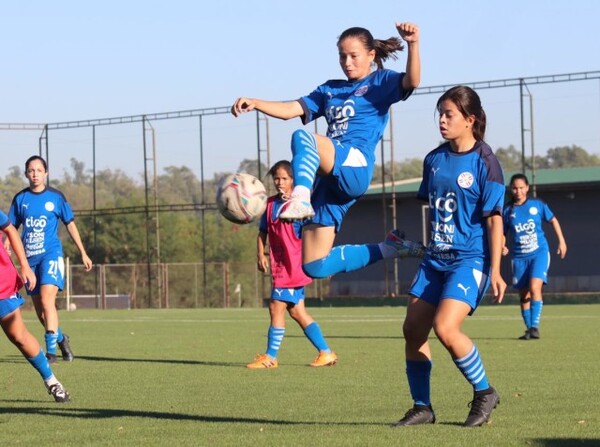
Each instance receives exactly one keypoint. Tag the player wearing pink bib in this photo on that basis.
(285, 254)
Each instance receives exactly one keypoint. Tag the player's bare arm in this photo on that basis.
(284, 110)
(409, 32)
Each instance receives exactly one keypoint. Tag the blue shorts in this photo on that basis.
(524, 269)
(293, 295)
(9, 305)
(49, 270)
(464, 283)
(334, 194)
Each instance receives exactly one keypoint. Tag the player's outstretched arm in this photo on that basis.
(410, 33)
(284, 110)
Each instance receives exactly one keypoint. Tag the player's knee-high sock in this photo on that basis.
(472, 368)
(314, 334)
(343, 258)
(274, 339)
(419, 379)
(536, 312)
(305, 162)
(60, 337)
(526, 314)
(51, 340)
(40, 363)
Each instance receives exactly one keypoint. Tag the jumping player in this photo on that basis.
(337, 169)
(530, 254)
(10, 312)
(39, 208)
(464, 187)
(285, 252)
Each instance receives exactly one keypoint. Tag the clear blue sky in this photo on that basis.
(75, 60)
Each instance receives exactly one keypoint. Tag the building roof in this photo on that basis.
(563, 177)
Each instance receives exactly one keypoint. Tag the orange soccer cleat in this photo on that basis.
(325, 359)
(263, 361)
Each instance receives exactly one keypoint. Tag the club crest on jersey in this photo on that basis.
(465, 179)
(49, 206)
(533, 210)
(361, 91)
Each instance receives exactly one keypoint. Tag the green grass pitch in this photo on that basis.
(177, 378)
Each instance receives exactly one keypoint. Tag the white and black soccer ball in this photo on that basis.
(241, 198)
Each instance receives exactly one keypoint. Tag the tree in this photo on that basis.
(570, 156)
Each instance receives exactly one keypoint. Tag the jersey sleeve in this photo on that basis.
(493, 185)
(13, 213)
(423, 192)
(313, 104)
(262, 225)
(4, 220)
(506, 218)
(391, 82)
(66, 213)
(547, 214)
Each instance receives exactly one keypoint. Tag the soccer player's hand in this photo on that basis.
(504, 250)
(263, 264)
(562, 250)
(498, 287)
(408, 31)
(87, 262)
(28, 277)
(242, 105)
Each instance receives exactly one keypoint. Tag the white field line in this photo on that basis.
(344, 319)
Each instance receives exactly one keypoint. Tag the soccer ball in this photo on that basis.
(241, 198)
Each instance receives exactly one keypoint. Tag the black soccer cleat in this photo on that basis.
(417, 415)
(51, 358)
(526, 335)
(58, 392)
(65, 349)
(481, 407)
(534, 333)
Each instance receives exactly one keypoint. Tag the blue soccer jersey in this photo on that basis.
(356, 112)
(523, 227)
(40, 214)
(462, 190)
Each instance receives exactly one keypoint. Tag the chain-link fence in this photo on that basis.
(174, 285)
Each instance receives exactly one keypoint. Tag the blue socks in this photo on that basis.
(536, 312)
(472, 368)
(419, 374)
(343, 258)
(40, 363)
(526, 314)
(51, 341)
(314, 334)
(305, 160)
(274, 339)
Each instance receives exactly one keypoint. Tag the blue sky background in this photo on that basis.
(74, 60)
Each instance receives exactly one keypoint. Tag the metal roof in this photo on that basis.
(543, 177)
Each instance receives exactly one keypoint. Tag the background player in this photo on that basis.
(338, 168)
(10, 313)
(530, 254)
(39, 208)
(464, 187)
(285, 252)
